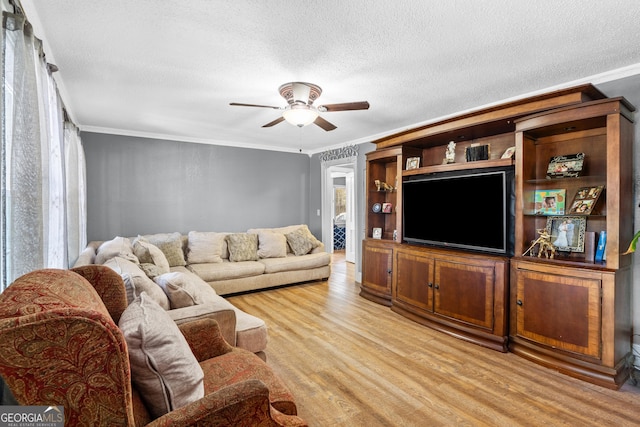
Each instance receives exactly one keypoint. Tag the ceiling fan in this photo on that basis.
(301, 111)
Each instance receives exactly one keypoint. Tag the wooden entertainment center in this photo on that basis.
(570, 312)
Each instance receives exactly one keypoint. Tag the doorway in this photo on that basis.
(339, 228)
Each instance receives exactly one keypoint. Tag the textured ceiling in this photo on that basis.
(169, 70)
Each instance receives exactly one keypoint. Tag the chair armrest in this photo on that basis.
(205, 339)
(244, 403)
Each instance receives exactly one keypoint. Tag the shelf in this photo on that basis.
(595, 216)
(599, 178)
(481, 164)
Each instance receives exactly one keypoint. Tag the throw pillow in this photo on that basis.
(271, 245)
(163, 367)
(185, 289)
(149, 253)
(151, 270)
(242, 247)
(206, 246)
(171, 245)
(301, 241)
(118, 246)
(136, 281)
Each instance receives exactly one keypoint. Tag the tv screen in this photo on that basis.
(467, 210)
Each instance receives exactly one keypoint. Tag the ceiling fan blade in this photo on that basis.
(362, 105)
(237, 104)
(301, 92)
(324, 124)
(273, 123)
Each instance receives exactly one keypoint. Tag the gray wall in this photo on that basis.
(140, 186)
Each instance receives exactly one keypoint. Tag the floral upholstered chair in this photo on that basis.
(61, 345)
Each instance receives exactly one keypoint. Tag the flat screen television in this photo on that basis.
(471, 210)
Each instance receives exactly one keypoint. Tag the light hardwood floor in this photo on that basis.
(351, 362)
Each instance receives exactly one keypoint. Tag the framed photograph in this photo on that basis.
(413, 163)
(387, 208)
(567, 232)
(477, 152)
(585, 200)
(508, 153)
(568, 166)
(550, 202)
(377, 233)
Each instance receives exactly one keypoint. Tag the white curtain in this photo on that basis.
(76, 177)
(22, 174)
(52, 158)
(43, 179)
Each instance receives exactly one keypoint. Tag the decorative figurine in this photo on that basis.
(383, 186)
(545, 245)
(450, 154)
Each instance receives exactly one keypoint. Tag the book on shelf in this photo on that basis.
(602, 245)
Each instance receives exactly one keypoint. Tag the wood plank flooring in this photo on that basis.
(351, 362)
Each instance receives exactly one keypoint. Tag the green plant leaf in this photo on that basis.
(632, 245)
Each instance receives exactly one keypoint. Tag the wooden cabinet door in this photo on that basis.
(559, 311)
(465, 291)
(376, 269)
(414, 280)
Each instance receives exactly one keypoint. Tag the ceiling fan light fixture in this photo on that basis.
(300, 115)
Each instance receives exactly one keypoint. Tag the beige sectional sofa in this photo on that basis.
(228, 262)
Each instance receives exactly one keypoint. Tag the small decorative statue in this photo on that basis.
(383, 186)
(450, 154)
(545, 246)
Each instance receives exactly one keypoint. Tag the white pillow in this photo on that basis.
(163, 367)
(136, 281)
(185, 289)
(118, 246)
(271, 245)
(206, 246)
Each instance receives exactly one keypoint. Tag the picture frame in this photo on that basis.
(567, 232)
(377, 233)
(413, 163)
(550, 202)
(585, 200)
(475, 153)
(508, 153)
(387, 208)
(567, 166)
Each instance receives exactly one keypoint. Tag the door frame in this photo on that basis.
(326, 183)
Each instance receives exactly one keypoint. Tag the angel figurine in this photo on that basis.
(450, 154)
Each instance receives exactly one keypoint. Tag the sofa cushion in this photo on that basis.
(301, 241)
(289, 229)
(136, 281)
(148, 253)
(242, 247)
(171, 245)
(227, 270)
(118, 246)
(164, 369)
(251, 332)
(185, 289)
(206, 246)
(271, 244)
(294, 262)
